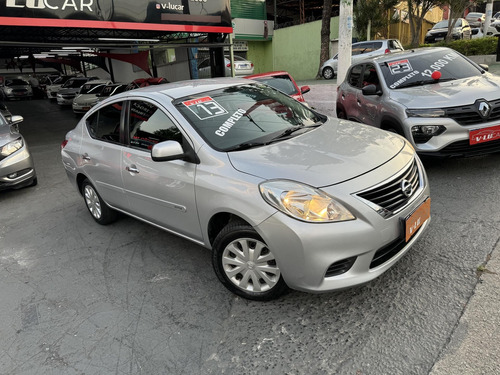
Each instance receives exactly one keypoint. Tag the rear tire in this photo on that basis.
(99, 210)
(341, 113)
(245, 265)
(328, 73)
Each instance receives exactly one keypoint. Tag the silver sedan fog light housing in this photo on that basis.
(303, 202)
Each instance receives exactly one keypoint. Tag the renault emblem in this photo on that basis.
(484, 109)
(406, 188)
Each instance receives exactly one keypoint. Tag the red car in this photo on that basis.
(143, 82)
(282, 81)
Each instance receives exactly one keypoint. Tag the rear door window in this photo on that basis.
(105, 123)
(376, 46)
(355, 75)
(362, 48)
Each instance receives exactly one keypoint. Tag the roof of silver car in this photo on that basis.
(408, 52)
(181, 89)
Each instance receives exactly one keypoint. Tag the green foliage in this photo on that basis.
(479, 46)
(374, 11)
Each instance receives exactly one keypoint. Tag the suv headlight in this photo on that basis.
(11, 147)
(425, 112)
(303, 202)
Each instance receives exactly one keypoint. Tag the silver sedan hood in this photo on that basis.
(336, 151)
(452, 93)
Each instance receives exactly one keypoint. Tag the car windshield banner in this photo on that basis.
(172, 15)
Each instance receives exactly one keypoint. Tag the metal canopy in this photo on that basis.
(18, 41)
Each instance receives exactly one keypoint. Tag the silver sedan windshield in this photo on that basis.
(244, 116)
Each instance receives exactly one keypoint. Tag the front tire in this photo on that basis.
(99, 210)
(245, 265)
(328, 73)
(341, 113)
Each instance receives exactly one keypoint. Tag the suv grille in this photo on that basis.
(468, 115)
(389, 197)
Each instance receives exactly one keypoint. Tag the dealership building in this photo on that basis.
(123, 40)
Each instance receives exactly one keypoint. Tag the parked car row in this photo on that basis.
(82, 93)
(246, 169)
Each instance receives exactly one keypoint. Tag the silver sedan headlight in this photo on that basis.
(303, 202)
(11, 147)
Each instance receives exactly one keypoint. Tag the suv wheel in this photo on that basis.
(328, 73)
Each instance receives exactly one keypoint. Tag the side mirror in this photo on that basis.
(305, 89)
(16, 119)
(168, 150)
(370, 90)
(484, 66)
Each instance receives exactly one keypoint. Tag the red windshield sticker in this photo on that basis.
(205, 107)
(399, 67)
(197, 101)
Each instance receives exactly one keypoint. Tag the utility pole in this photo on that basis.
(345, 39)
(487, 20)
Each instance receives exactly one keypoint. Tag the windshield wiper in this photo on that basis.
(287, 132)
(246, 146)
(424, 82)
(284, 134)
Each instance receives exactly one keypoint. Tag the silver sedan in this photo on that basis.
(17, 169)
(283, 196)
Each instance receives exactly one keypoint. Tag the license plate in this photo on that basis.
(243, 66)
(417, 219)
(484, 135)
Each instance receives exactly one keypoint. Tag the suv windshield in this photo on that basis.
(417, 70)
(250, 115)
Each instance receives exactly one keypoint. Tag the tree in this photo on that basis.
(373, 12)
(457, 8)
(325, 34)
(417, 9)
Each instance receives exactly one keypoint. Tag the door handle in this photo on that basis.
(86, 157)
(132, 169)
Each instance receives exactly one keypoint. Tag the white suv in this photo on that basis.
(360, 51)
